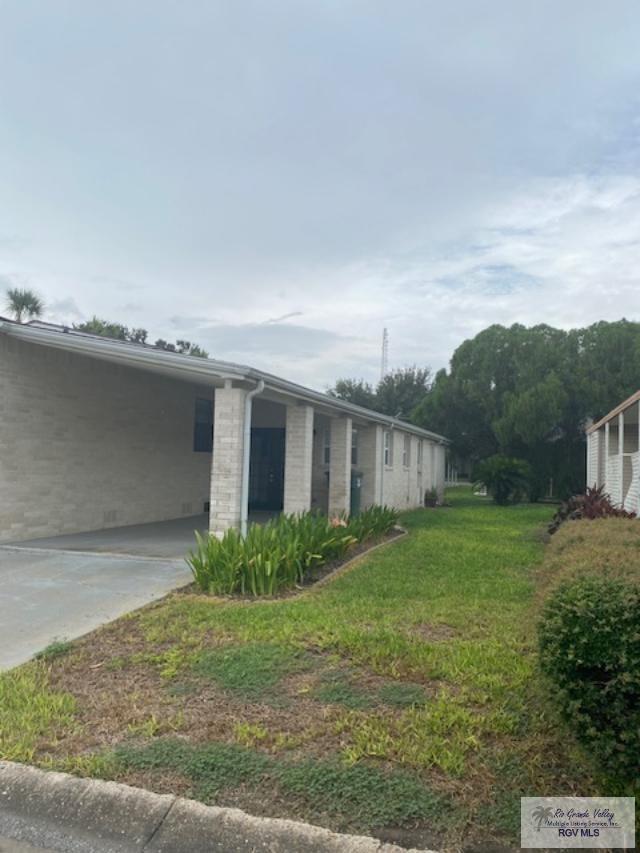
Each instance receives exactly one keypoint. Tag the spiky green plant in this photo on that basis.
(507, 480)
(278, 555)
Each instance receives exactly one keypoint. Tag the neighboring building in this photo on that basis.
(98, 433)
(613, 454)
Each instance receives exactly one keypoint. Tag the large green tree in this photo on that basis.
(530, 392)
(397, 394)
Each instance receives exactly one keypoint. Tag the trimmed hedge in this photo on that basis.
(589, 636)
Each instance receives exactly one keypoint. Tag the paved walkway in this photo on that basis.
(48, 595)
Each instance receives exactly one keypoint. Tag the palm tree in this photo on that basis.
(24, 304)
(541, 814)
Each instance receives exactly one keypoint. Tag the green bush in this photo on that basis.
(278, 555)
(507, 480)
(590, 647)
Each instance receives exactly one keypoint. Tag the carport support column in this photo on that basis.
(370, 464)
(340, 466)
(226, 463)
(298, 459)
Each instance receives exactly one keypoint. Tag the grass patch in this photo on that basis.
(251, 670)
(338, 689)
(418, 666)
(56, 649)
(367, 796)
(341, 687)
(402, 695)
(438, 736)
(31, 714)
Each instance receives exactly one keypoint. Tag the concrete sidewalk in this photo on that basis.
(56, 811)
(54, 595)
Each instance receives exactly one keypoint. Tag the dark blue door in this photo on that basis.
(266, 471)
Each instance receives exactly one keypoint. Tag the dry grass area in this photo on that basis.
(401, 699)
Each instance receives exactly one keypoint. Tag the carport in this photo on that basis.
(110, 445)
(99, 434)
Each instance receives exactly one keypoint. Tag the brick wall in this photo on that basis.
(85, 444)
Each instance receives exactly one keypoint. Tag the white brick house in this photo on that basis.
(613, 454)
(98, 433)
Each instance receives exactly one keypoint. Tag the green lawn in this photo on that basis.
(400, 699)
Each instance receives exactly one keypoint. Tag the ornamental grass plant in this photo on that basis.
(277, 556)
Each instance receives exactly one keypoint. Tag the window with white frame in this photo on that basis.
(326, 447)
(419, 454)
(354, 446)
(406, 451)
(388, 448)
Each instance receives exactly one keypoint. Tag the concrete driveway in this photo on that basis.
(48, 594)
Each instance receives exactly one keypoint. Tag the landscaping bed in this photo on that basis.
(400, 699)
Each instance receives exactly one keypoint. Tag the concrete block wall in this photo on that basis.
(340, 466)
(440, 469)
(228, 453)
(298, 463)
(404, 486)
(85, 444)
(370, 464)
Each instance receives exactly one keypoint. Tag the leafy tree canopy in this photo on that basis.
(355, 391)
(397, 394)
(530, 392)
(107, 329)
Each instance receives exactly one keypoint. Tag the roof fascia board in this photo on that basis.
(634, 398)
(118, 351)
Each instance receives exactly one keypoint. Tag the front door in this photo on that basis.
(266, 471)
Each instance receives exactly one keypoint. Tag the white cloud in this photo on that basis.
(280, 181)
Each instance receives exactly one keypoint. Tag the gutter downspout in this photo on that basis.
(246, 456)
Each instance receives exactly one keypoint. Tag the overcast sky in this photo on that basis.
(280, 180)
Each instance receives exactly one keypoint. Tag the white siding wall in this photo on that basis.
(85, 444)
(593, 455)
(632, 502)
(614, 478)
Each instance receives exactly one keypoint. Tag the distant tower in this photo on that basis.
(384, 363)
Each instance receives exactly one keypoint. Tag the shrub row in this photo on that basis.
(277, 556)
(589, 636)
